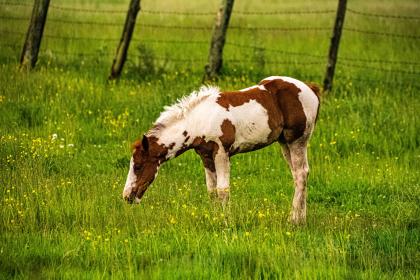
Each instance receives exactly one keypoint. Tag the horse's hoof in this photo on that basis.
(297, 218)
(212, 194)
(223, 195)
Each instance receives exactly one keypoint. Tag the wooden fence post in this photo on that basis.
(121, 55)
(335, 42)
(214, 65)
(33, 38)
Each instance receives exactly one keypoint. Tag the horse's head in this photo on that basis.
(145, 161)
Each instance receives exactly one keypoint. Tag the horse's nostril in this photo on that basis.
(129, 199)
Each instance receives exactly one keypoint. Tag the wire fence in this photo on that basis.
(387, 34)
(181, 27)
(387, 16)
(309, 58)
(179, 13)
(176, 13)
(381, 69)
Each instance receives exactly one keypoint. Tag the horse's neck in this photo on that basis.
(173, 137)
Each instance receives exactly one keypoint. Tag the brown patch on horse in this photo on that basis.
(228, 136)
(147, 157)
(197, 141)
(237, 98)
(207, 151)
(287, 99)
(263, 97)
(171, 146)
(149, 151)
(208, 162)
(185, 133)
(157, 150)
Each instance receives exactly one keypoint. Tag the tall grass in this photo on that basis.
(65, 136)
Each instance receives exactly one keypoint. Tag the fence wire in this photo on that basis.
(241, 13)
(379, 33)
(229, 60)
(378, 61)
(176, 13)
(233, 27)
(180, 27)
(380, 69)
(321, 58)
(360, 13)
(385, 82)
(316, 59)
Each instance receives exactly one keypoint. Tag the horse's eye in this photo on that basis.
(136, 167)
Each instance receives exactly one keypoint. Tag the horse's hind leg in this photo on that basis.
(300, 170)
(286, 154)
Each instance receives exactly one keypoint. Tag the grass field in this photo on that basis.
(65, 136)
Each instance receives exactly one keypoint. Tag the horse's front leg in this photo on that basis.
(210, 170)
(222, 165)
(211, 180)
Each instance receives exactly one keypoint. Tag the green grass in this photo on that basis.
(65, 136)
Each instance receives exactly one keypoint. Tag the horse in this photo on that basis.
(218, 125)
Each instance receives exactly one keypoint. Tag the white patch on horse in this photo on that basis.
(171, 134)
(206, 120)
(251, 125)
(250, 120)
(188, 114)
(185, 104)
(130, 182)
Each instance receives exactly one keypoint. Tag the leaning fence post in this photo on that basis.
(214, 65)
(121, 55)
(335, 42)
(33, 38)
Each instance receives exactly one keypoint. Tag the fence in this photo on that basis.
(316, 59)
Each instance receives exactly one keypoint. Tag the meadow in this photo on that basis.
(66, 135)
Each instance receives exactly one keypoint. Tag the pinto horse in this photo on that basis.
(218, 125)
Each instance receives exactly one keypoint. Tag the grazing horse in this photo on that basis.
(218, 125)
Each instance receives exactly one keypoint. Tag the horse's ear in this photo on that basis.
(136, 145)
(145, 143)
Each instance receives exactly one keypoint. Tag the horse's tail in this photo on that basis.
(316, 89)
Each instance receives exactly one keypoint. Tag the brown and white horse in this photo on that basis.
(218, 125)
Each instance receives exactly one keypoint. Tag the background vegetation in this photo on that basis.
(65, 136)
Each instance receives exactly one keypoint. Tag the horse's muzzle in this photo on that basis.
(134, 197)
(130, 198)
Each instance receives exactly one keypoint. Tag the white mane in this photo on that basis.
(185, 104)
